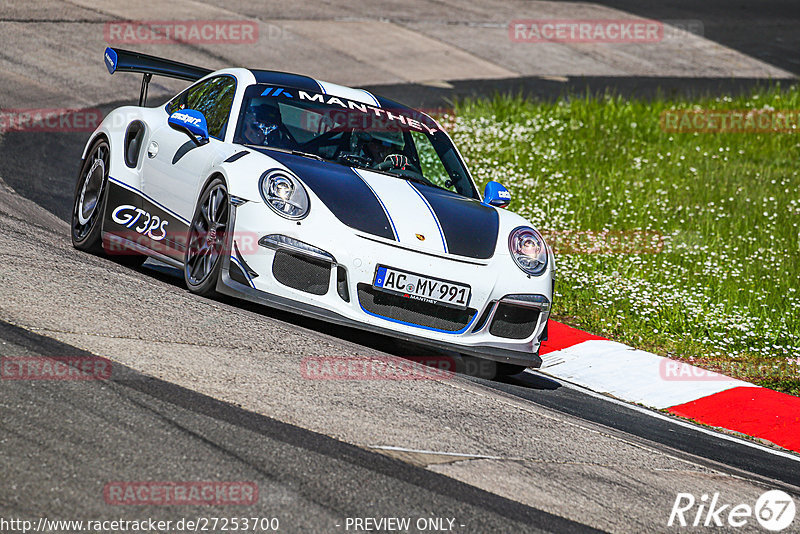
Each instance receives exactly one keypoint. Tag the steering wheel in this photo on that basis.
(397, 162)
(354, 159)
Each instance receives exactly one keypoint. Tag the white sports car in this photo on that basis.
(316, 198)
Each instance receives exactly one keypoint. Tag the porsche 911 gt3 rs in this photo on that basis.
(316, 198)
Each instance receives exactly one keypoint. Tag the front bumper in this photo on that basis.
(497, 294)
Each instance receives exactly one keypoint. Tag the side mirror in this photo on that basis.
(192, 123)
(496, 195)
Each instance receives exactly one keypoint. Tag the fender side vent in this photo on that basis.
(236, 156)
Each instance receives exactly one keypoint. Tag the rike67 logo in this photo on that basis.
(774, 511)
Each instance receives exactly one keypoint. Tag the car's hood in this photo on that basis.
(417, 215)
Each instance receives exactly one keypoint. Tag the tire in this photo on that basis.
(477, 367)
(88, 204)
(509, 369)
(207, 234)
(486, 369)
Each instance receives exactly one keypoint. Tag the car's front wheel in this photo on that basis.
(207, 235)
(486, 369)
(509, 369)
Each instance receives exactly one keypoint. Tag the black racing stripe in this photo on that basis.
(286, 79)
(470, 228)
(347, 196)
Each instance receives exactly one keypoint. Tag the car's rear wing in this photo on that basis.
(118, 60)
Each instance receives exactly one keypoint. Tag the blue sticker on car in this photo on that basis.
(272, 91)
(110, 59)
(380, 277)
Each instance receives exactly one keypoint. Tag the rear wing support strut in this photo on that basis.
(146, 77)
(118, 60)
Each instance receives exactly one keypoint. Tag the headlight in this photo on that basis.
(284, 194)
(528, 249)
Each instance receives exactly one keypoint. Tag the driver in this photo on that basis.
(377, 149)
(383, 146)
(262, 126)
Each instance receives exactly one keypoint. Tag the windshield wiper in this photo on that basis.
(287, 151)
(308, 155)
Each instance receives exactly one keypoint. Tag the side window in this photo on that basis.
(430, 164)
(175, 104)
(212, 98)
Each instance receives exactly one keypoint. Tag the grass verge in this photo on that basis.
(710, 269)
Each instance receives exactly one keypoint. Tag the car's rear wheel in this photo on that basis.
(89, 204)
(207, 234)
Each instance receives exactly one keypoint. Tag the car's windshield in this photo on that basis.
(401, 142)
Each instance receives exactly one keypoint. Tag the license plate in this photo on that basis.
(420, 287)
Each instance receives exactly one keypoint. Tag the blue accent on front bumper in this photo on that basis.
(420, 326)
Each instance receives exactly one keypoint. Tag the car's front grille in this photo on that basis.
(412, 311)
(514, 322)
(301, 272)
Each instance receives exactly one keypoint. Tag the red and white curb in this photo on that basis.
(640, 377)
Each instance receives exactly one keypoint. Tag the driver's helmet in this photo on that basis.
(264, 118)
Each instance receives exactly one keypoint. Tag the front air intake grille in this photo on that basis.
(413, 311)
(301, 272)
(514, 322)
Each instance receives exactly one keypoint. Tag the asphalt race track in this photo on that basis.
(211, 390)
(191, 436)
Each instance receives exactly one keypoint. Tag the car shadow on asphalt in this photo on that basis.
(403, 349)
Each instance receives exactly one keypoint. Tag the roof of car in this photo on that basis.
(307, 83)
